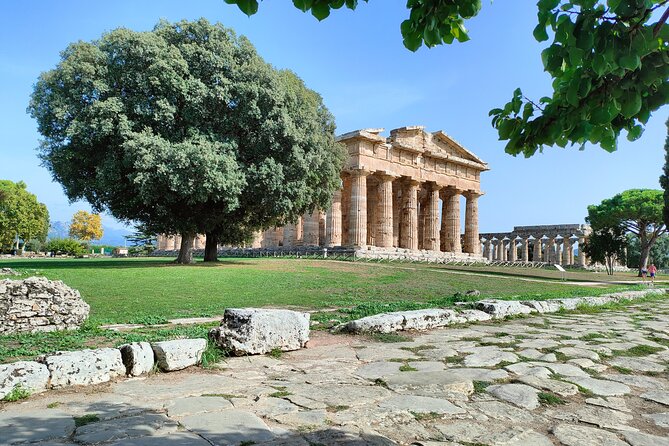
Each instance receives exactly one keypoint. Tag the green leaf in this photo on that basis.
(631, 105)
(540, 33)
(599, 64)
(634, 133)
(320, 10)
(548, 4)
(248, 7)
(630, 61)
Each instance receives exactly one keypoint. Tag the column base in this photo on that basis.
(422, 255)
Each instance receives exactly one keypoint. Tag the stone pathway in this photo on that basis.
(571, 379)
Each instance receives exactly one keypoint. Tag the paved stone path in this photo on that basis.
(567, 379)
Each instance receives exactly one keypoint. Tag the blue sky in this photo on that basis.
(367, 79)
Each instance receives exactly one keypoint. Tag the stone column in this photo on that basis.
(505, 251)
(421, 218)
(526, 249)
(565, 251)
(513, 254)
(299, 232)
(571, 252)
(549, 254)
(289, 235)
(409, 231)
(357, 219)
(536, 256)
(397, 212)
(498, 250)
(371, 213)
(333, 223)
(257, 240)
(384, 212)
(450, 220)
(311, 223)
(472, 223)
(345, 209)
(581, 253)
(431, 238)
(488, 249)
(177, 242)
(558, 252)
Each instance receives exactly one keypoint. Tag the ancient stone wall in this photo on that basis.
(39, 304)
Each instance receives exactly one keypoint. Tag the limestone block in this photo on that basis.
(475, 315)
(29, 375)
(543, 306)
(137, 357)
(84, 367)
(502, 308)
(251, 331)
(404, 320)
(178, 354)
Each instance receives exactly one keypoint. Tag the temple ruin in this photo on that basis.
(555, 244)
(400, 197)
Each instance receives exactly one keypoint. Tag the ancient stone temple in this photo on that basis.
(400, 197)
(555, 244)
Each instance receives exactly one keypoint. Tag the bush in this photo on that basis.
(65, 246)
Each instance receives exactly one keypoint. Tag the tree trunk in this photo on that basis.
(211, 248)
(609, 265)
(643, 260)
(185, 256)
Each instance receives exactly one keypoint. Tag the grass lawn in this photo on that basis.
(152, 290)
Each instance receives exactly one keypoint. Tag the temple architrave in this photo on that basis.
(555, 244)
(400, 196)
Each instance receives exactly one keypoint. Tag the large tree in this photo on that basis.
(637, 212)
(185, 129)
(86, 226)
(22, 217)
(664, 179)
(606, 245)
(609, 61)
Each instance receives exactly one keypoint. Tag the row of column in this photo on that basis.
(173, 242)
(386, 213)
(553, 250)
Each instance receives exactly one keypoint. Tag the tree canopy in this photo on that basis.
(185, 129)
(635, 211)
(22, 217)
(609, 61)
(605, 245)
(86, 226)
(664, 179)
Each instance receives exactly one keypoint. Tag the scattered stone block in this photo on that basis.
(475, 315)
(658, 396)
(179, 353)
(250, 331)
(29, 375)
(601, 387)
(42, 425)
(502, 308)
(404, 320)
(84, 367)
(573, 435)
(421, 404)
(137, 357)
(520, 395)
(644, 439)
(39, 304)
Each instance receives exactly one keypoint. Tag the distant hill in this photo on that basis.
(110, 236)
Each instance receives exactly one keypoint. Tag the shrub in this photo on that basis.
(65, 246)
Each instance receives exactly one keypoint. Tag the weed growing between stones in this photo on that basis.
(592, 336)
(622, 370)
(53, 405)
(658, 340)
(454, 359)
(17, 393)
(498, 344)
(276, 353)
(247, 443)
(381, 383)
(280, 394)
(407, 368)
(480, 386)
(86, 419)
(337, 408)
(212, 355)
(426, 416)
(638, 350)
(390, 337)
(226, 396)
(550, 399)
(418, 349)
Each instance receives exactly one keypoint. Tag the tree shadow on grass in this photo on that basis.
(51, 264)
(123, 424)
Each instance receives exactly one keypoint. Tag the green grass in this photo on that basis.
(17, 393)
(407, 368)
(550, 399)
(151, 291)
(480, 386)
(638, 350)
(154, 290)
(86, 419)
(390, 337)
